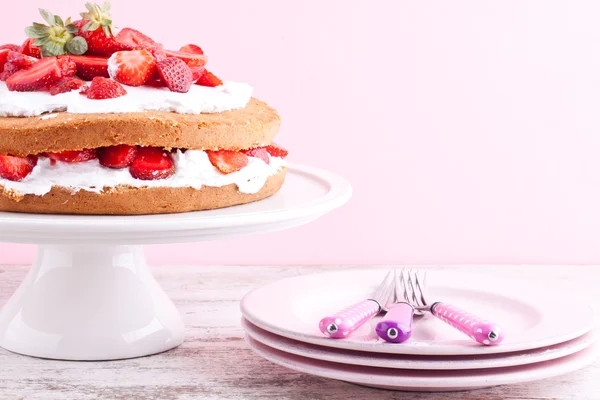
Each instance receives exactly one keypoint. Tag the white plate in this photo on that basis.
(416, 380)
(530, 317)
(399, 361)
(307, 194)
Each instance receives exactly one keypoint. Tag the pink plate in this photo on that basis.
(431, 380)
(530, 317)
(399, 361)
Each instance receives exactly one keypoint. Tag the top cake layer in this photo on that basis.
(252, 126)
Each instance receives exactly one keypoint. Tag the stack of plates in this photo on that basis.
(545, 335)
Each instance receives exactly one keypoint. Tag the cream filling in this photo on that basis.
(200, 99)
(192, 169)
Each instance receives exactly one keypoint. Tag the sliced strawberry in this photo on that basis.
(227, 161)
(276, 151)
(98, 43)
(13, 47)
(175, 74)
(65, 85)
(89, 67)
(41, 75)
(192, 48)
(136, 40)
(73, 156)
(16, 168)
(133, 68)
(208, 79)
(258, 152)
(191, 59)
(120, 156)
(103, 88)
(29, 49)
(20, 60)
(67, 66)
(152, 163)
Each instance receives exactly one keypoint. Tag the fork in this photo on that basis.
(393, 327)
(348, 320)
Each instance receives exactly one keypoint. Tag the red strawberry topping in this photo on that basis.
(29, 49)
(103, 88)
(89, 67)
(12, 47)
(175, 74)
(65, 85)
(136, 40)
(16, 168)
(191, 59)
(73, 156)
(99, 44)
(197, 73)
(192, 48)
(20, 60)
(258, 152)
(9, 70)
(209, 79)
(276, 151)
(41, 75)
(133, 68)
(152, 163)
(120, 156)
(227, 161)
(67, 66)
(3, 56)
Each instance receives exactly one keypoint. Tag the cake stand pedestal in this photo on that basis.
(90, 294)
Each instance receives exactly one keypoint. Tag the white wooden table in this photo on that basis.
(215, 363)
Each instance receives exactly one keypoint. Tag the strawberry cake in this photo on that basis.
(95, 120)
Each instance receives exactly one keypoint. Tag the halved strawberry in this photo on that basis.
(120, 156)
(13, 47)
(208, 79)
(98, 43)
(192, 48)
(276, 150)
(152, 163)
(73, 156)
(175, 74)
(191, 59)
(89, 67)
(16, 168)
(29, 49)
(103, 88)
(227, 161)
(41, 75)
(65, 85)
(258, 152)
(133, 68)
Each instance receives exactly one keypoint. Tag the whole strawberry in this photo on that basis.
(175, 74)
(97, 30)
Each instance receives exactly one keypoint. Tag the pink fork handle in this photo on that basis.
(349, 319)
(479, 330)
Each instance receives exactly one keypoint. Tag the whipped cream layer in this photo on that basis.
(192, 169)
(200, 99)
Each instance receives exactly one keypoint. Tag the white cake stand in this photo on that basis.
(90, 295)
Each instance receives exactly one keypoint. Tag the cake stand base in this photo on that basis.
(90, 302)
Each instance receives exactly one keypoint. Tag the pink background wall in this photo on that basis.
(469, 129)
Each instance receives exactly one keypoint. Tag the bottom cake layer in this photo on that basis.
(138, 201)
